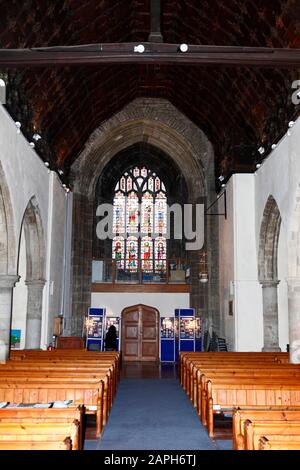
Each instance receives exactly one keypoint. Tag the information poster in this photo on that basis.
(95, 327)
(187, 328)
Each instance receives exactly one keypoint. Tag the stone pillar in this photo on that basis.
(294, 319)
(270, 314)
(34, 313)
(7, 283)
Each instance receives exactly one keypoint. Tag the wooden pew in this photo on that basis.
(283, 431)
(41, 432)
(240, 416)
(266, 444)
(31, 415)
(226, 394)
(87, 393)
(55, 444)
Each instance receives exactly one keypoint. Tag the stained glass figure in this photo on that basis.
(147, 213)
(132, 254)
(160, 254)
(118, 251)
(132, 211)
(147, 254)
(119, 213)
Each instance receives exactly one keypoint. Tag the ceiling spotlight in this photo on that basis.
(273, 146)
(184, 47)
(36, 137)
(60, 172)
(32, 144)
(261, 150)
(291, 123)
(18, 126)
(140, 48)
(47, 164)
(258, 165)
(221, 178)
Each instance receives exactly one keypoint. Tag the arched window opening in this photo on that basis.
(140, 222)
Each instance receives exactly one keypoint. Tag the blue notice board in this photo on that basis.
(94, 329)
(167, 339)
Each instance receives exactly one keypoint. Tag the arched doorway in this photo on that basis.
(140, 333)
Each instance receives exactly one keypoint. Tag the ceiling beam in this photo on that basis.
(155, 15)
(155, 53)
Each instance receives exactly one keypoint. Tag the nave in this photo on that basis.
(150, 412)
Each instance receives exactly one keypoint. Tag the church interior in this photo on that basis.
(150, 187)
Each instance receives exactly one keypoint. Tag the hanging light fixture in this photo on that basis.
(203, 274)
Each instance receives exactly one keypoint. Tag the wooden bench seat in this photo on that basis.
(41, 432)
(284, 431)
(240, 416)
(226, 394)
(279, 444)
(90, 394)
(46, 415)
(55, 444)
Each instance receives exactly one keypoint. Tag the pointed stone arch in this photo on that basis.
(268, 272)
(268, 242)
(8, 263)
(7, 229)
(160, 124)
(35, 272)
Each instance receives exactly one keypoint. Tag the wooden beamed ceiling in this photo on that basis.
(239, 107)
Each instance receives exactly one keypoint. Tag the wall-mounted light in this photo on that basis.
(203, 274)
(18, 126)
(36, 137)
(273, 146)
(221, 178)
(47, 164)
(291, 123)
(60, 172)
(32, 144)
(261, 150)
(258, 165)
(140, 48)
(184, 47)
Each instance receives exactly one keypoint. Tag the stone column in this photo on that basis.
(7, 283)
(270, 314)
(34, 313)
(294, 319)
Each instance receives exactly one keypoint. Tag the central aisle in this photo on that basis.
(153, 414)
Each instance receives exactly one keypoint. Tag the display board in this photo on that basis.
(187, 331)
(95, 329)
(167, 339)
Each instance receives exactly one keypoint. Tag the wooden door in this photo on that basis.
(140, 333)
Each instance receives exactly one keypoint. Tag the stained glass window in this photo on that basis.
(140, 222)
